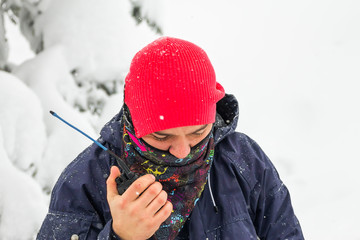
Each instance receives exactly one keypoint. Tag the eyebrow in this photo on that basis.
(199, 129)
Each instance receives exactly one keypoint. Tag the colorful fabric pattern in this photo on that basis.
(183, 179)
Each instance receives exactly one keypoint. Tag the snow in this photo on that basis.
(22, 140)
(56, 89)
(24, 150)
(292, 65)
(22, 203)
(19, 50)
(88, 25)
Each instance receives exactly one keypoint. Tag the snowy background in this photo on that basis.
(293, 65)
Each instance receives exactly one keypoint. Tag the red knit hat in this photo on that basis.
(171, 83)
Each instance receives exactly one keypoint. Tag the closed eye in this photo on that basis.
(160, 138)
(198, 133)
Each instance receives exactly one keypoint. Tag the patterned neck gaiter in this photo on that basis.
(183, 179)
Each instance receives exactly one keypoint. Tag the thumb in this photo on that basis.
(111, 186)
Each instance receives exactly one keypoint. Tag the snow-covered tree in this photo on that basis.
(85, 35)
(82, 54)
(3, 42)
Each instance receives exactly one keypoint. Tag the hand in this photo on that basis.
(140, 210)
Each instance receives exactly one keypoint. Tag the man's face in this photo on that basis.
(178, 141)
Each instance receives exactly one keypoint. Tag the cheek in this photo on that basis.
(197, 140)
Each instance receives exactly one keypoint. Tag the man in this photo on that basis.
(199, 179)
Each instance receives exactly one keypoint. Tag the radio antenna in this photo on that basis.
(121, 163)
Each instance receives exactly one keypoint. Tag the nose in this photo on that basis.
(180, 149)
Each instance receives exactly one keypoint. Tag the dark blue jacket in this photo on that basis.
(252, 201)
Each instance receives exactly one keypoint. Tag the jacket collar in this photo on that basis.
(227, 117)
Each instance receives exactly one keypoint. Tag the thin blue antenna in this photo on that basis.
(97, 143)
(121, 163)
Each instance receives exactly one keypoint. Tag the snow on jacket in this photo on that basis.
(252, 201)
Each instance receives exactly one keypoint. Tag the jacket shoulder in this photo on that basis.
(250, 188)
(84, 176)
(78, 200)
(248, 160)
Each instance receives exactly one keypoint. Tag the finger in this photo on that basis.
(164, 212)
(158, 202)
(150, 194)
(111, 184)
(139, 186)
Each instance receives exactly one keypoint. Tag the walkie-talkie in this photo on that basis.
(127, 176)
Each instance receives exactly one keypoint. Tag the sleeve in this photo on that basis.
(59, 225)
(78, 207)
(274, 216)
